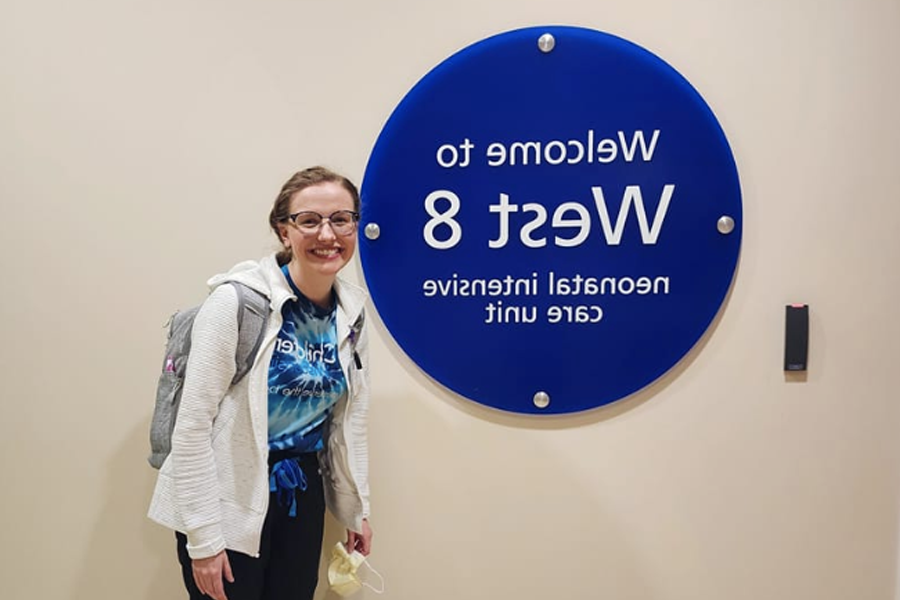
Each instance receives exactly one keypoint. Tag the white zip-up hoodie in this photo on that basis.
(214, 486)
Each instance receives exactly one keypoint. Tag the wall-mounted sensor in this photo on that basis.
(796, 337)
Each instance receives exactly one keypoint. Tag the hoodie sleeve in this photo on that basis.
(208, 376)
(358, 420)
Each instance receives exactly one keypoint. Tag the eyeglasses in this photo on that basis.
(343, 222)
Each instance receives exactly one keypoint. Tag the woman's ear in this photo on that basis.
(283, 234)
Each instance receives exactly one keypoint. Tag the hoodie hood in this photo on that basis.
(247, 272)
(265, 276)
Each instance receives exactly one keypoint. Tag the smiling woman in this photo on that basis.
(249, 517)
(320, 246)
(316, 252)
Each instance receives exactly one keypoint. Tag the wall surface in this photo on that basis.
(141, 145)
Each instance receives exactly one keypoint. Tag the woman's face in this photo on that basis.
(319, 252)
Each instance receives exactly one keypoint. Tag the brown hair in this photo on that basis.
(300, 181)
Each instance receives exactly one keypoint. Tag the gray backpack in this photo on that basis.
(252, 316)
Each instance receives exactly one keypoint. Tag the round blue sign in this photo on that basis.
(551, 220)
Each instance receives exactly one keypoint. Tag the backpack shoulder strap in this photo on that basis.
(252, 316)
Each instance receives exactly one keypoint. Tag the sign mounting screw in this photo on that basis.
(546, 43)
(725, 224)
(542, 400)
(373, 231)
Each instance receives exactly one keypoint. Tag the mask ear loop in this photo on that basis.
(369, 585)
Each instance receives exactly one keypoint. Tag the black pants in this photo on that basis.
(288, 563)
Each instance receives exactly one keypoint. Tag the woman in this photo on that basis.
(254, 464)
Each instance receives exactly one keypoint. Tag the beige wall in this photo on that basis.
(140, 146)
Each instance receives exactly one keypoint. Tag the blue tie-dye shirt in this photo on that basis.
(305, 377)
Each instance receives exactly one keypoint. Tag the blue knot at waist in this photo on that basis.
(286, 477)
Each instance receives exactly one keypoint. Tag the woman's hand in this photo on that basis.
(360, 541)
(209, 572)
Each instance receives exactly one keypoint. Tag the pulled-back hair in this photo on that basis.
(299, 181)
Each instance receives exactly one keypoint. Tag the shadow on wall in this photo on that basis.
(457, 541)
(129, 555)
(460, 514)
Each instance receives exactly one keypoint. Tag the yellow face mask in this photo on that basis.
(342, 571)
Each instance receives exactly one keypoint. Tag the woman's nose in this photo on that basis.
(325, 231)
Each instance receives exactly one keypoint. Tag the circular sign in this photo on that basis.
(542, 220)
